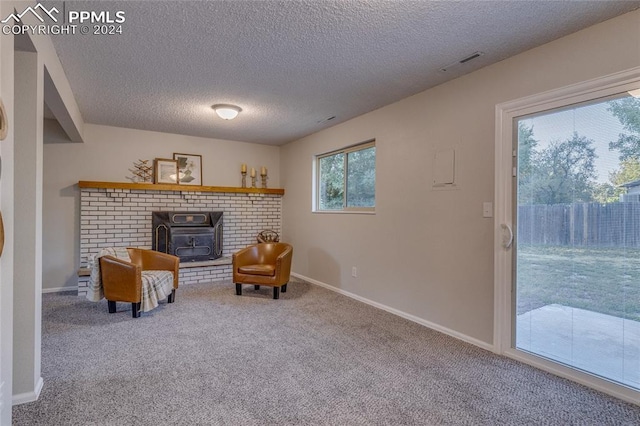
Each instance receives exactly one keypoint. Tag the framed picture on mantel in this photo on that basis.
(165, 171)
(189, 168)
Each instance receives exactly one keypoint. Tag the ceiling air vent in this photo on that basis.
(469, 58)
(324, 120)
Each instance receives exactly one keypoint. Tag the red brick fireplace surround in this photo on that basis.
(119, 215)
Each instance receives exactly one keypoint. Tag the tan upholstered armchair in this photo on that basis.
(149, 276)
(263, 264)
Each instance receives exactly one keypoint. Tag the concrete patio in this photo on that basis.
(600, 344)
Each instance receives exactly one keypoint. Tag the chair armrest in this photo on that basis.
(283, 265)
(120, 279)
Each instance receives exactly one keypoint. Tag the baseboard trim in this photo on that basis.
(60, 289)
(413, 318)
(23, 398)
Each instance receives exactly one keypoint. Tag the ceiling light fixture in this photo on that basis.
(226, 111)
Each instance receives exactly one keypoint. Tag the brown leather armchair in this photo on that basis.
(122, 280)
(263, 264)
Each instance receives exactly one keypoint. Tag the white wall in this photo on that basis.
(107, 154)
(27, 247)
(25, 292)
(429, 253)
(6, 206)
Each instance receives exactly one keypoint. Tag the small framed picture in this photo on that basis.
(189, 168)
(165, 171)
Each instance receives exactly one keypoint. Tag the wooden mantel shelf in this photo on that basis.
(183, 188)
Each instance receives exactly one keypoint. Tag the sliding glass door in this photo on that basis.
(576, 218)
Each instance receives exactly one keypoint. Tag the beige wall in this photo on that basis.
(106, 155)
(429, 253)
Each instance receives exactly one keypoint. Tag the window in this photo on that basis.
(346, 179)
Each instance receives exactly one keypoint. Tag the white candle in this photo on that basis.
(263, 171)
(243, 168)
(253, 172)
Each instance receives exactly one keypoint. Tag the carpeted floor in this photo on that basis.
(313, 357)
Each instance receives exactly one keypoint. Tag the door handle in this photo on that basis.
(507, 244)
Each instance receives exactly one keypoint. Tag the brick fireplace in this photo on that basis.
(120, 215)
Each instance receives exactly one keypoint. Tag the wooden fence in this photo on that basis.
(580, 224)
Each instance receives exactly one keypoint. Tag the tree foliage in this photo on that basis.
(563, 172)
(629, 171)
(360, 169)
(627, 111)
(361, 179)
(332, 182)
(526, 150)
(605, 193)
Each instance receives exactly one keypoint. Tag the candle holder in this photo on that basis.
(264, 181)
(244, 179)
(253, 181)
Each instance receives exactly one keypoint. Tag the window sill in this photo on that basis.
(372, 212)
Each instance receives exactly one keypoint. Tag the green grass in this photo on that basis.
(605, 280)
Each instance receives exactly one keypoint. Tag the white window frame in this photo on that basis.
(506, 113)
(316, 181)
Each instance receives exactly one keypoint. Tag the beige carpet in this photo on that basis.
(313, 357)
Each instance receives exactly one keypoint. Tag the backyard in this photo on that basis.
(604, 280)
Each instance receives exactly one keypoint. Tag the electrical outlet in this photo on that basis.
(354, 272)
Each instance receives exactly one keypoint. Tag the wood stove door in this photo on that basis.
(193, 244)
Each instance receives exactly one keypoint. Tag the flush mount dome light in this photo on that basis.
(226, 111)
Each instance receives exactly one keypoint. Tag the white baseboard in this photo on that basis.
(413, 318)
(23, 398)
(59, 289)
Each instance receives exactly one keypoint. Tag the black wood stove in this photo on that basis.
(192, 236)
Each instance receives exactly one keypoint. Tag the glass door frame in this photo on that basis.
(504, 254)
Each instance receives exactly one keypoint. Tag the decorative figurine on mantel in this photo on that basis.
(263, 174)
(142, 172)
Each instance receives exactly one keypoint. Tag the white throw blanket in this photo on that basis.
(156, 285)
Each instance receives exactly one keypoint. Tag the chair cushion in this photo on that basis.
(265, 270)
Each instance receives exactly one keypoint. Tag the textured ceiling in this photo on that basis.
(293, 64)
